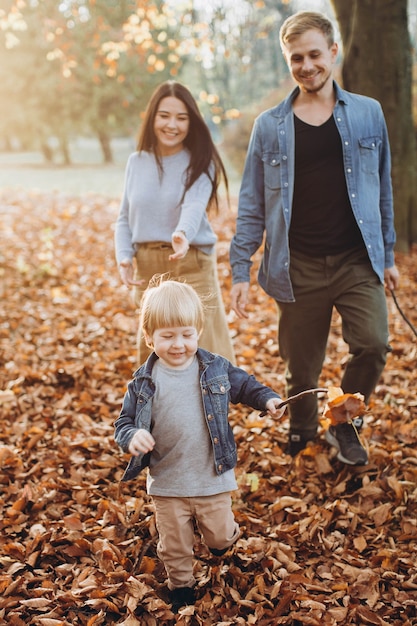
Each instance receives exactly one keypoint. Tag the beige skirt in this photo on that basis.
(200, 271)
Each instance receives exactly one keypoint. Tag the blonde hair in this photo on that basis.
(301, 22)
(168, 303)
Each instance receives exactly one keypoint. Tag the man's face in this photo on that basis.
(310, 60)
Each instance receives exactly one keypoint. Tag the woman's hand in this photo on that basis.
(180, 244)
(142, 441)
(126, 274)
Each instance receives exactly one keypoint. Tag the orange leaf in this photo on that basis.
(343, 407)
(73, 522)
(147, 565)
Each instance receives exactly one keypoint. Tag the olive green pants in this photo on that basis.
(347, 283)
(200, 271)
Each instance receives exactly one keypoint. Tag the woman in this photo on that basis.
(171, 183)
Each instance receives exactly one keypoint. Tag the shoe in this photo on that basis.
(181, 596)
(217, 552)
(358, 422)
(296, 443)
(345, 438)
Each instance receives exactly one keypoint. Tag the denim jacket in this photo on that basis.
(220, 383)
(266, 193)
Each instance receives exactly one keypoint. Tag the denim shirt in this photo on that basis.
(220, 383)
(266, 193)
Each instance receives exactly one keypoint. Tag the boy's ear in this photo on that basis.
(148, 340)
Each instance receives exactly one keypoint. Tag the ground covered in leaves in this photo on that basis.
(321, 544)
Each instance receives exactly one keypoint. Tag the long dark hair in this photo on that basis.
(204, 154)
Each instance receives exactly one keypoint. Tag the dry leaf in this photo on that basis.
(343, 407)
(76, 546)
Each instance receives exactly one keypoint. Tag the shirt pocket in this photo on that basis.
(219, 393)
(369, 154)
(272, 170)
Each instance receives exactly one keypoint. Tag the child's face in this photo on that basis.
(175, 346)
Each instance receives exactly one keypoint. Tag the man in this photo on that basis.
(317, 182)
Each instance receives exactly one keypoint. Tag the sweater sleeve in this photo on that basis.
(123, 234)
(194, 205)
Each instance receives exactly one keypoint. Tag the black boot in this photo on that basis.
(181, 596)
(217, 552)
(296, 443)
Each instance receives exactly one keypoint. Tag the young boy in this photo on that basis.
(174, 419)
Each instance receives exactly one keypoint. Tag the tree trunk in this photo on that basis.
(377, 62)
(64, 149)
(48, 153)
(105, 145)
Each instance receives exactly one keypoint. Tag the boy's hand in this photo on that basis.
(273, 407)
(142, 441)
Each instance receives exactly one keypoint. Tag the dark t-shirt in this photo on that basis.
(322, 220)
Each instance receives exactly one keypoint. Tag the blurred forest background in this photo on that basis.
(76, 76)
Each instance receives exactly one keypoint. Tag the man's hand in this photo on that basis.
(239, 299)
(180, 245)
(142, 441)
(391, 277)
(126, 274)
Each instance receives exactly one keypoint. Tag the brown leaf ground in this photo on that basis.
(321, 544)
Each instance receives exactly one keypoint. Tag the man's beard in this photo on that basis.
(316, 88)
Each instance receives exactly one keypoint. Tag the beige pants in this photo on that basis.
(175, 523)
(200, 271)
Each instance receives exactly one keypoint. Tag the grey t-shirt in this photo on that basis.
(182, 461)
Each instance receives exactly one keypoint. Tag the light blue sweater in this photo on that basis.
(151, 207)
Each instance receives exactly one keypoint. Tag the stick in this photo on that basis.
(296, 397)
(402, 313)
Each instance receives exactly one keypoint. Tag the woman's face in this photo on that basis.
(171, 125)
